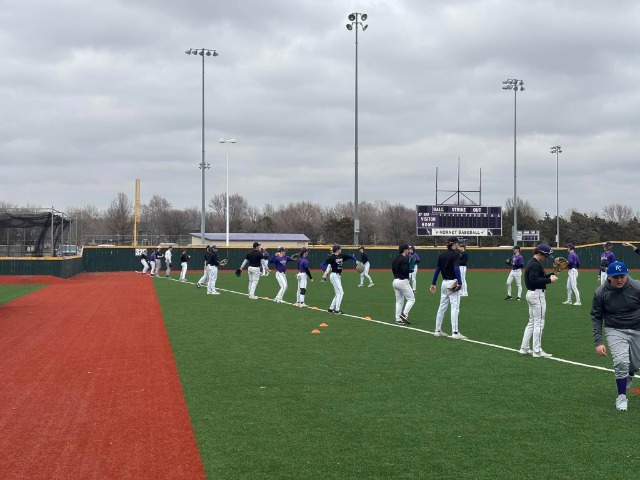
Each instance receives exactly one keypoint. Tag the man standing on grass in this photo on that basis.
(335, 263)
(536, 282)
(572, 277)
(517, 263)
(617, 305)
(401, 285)
(449, 266)
(254, 260)
(167, 260)
(464, 258)
(607, 257)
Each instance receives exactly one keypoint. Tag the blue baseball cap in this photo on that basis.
(570, 245)
(607, 244)
(544, 249)
(336, 247)
(516, 247)
(617, 268)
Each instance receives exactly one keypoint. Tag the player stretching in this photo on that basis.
(205, 274)
(334, 266)
(280, 260)
(143, 260)
(414, 260)
(606, 258)
(449, 266)
(264, 263)
(303, 274)
(364, 259)
(184, 258)
(152, 262)
(517, 263)
(253, 259)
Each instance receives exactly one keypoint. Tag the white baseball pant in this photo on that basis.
(537, 311)
(572, 284)
(517, 276)
(158, 266)
(365, 273)
(254, 278)
(205, 276)
(281, 277)
(447, 297)
(413, 276)
(167, 262)
(212, 273)
(183, 271)
(265, 267)
(463, 277)
(624, 346)
(336, 281)
(603, 278)
(302, 284)
(152, 264)
(403, 292)
(145, 266)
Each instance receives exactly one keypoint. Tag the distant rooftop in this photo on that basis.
(255, 237)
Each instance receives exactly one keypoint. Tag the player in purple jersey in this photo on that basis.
(280, 260)
(572, 277)
(607, 257)
(152, 262)
(303, 274)
(517, 264)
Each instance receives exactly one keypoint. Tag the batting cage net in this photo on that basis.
(32, 234)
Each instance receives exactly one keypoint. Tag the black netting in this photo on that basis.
(42, 222)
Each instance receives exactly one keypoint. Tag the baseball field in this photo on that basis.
(125, 376)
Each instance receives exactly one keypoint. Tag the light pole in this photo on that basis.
(514, 84)
(557, 149)
(356, 20)
(203, 166)
(231, 140)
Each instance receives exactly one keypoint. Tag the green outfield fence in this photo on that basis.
(116, 259)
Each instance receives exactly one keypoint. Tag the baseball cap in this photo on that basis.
(304, 249)
(607, 244)
(336, 247)
(516, 247)
(617, 268)
(544, 249)
(570, 245)
(256, 244)
(281, 249)
(214, 247)
(403, 247)
(453, 240)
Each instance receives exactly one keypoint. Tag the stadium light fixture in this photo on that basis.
(203, 165)
(515, 85)
(557, 149)
(231, 140)
(356, 19)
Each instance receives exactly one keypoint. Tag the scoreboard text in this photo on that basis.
(458, 220)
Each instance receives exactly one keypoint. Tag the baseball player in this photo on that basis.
(264, 263)
(145, 263)
(167, 260)
(364, 259)
(280, 260)
(334, 270)
(184, 258)
(212, 270)
(607, 257)
(536, 282)
(414, 260)
(617, 305)
(303, 274)
(517, 263)
(159, 257)
(449, 266)
(152, 262)
(464, 258)
(205, 274)
(254, 260)
(572, 277)
(401, 285)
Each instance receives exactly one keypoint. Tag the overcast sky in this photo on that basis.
(97, 94)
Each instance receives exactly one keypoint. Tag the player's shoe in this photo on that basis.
(621, 403)
(440, 333)
(399, 322)
(464, 294)
(361, 285)
(508, 297)
(568, 302)
(302, 305)
(405, 318)
(577, 304)
(253, 297)
(198, 285)
(215, 292)
(330, 310)
(518, 299)
(277, 300)
(338, 312)
(525, 351)
(370, 285)
(458, 336)
(541, 354)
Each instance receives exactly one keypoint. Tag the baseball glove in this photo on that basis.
(223, 262)
(360, 267)
(559, 264)
(295, 256)
(238, 272)
(455, 287)
(508, 261)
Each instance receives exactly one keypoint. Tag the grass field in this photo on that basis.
(10, 292)
(366, 400)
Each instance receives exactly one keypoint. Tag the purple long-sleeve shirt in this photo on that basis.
(281, 262)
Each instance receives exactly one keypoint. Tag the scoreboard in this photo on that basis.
(458, 220)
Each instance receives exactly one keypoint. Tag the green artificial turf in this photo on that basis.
(268, 399)
(11, 292)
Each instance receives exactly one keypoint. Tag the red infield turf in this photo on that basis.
(88, 384)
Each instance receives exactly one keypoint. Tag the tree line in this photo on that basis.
(381, 222)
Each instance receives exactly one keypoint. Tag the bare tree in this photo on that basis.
(153, 213)
(621, 214)
(119, 215)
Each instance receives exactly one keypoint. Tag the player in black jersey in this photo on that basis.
(449, 266)
(254, 260)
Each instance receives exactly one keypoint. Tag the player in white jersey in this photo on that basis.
(167, 260)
